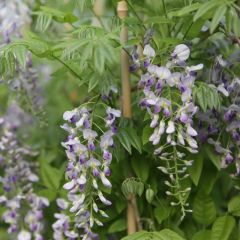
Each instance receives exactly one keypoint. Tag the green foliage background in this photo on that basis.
(85, 62)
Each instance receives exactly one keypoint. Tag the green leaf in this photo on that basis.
(162, 211)
(143, 235)
(205, 8)
(201, 98)
(20, 54)
(50, 194)
(147, 131)
(196, 169)
(158, 19)
(141, 168)
(134, 139)
(50, 176)
(222, 228)
(99, 59)
(185, 10)
(220, 12)
(93, 82)
(235, 23)
(118, 226)
(208, 179)
(204, 211)
(202, 235)
(216, 159)
(124, 140)
(234, 206)
(167, 234)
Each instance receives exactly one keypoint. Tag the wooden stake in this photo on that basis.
(126, 89)
(98, 10)
(122, 10)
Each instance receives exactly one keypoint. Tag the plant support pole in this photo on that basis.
(126, 89)
(122, 10)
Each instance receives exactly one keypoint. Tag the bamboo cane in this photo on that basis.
(126, 89)
(122, 10)
(98, 10)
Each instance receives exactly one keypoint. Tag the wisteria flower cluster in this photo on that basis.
(14, 18)
(89, 158)
(211, 128)
(24, 208)
(168, 99)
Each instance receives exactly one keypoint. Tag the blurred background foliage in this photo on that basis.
(78, 60)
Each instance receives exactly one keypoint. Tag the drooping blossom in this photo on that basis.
(89, 155)
(24, 208)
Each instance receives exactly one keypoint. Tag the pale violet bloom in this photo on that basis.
(191, 131)
(174, 79)
(76, 205)
(24, 235)
(149, 51)
(162, 72)
(71, 234)
(171, 127)
(221, 61)
(106, 140)
(158, 131)
(62, 203)
(180, 137)
(103, 199)
(152, 69)
(192, 142)
(223, 90)
(114, 112)
(154, 121)
(69, 185)
(181, 52)
(69, 115)
(194, 68)
(105, 181)
(155, 137)
(89, 134)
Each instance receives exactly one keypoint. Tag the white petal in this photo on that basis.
(180, 138)
(82, 180)
(182, 52)
(191, 131)
(103, 199)
(69, 185)
(105, 181)
(171, 128)
(163, 72)
(192, 142)
(222, 89)
(24, 235)
(149, 51)
(62, 203)
(154, 121)
(195, 68)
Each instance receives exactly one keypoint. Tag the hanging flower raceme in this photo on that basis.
(89, 158)
(168, 101)
(24, 209)
(228, 87)
(14, 17)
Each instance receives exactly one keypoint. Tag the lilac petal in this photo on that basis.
(24, 235)
(105, 181)
(69, 185)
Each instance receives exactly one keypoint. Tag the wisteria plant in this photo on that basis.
(119, 119)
